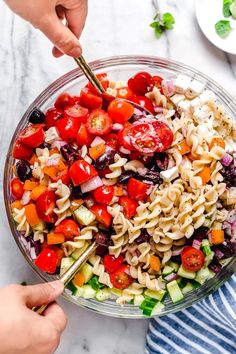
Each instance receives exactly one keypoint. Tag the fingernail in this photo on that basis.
(57, 285)
(75, 52)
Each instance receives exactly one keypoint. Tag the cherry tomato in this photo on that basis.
(68, 128)
(75, 100)
(104, 194)
(141, 83)
(192, 259)
(121, 278)
(51, 116)
(69, 228)
(78, 112)
(103, 80)
(32, 136)
(112, 141)
(17, 188)
(124, 138)
(111, 263)
(164, 133)
(144, 102)
(137, 190)
(157, 81)
(129, 206)
(47, 260)
(90, 100)
(45, 204)
(99, 122)
(63, 100)
(120, 111)
(102, 214)
(147, 144)
(21, 151)
(83, 136)
(63, 176)
(124, 92)
(81, 171)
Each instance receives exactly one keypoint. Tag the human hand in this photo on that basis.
(23, 331)
(47, 15)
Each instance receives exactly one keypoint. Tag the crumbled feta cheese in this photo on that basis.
(182, 83)
(201, 114)
(230, 145)
(177, 98)
(170, 174)
(51, 135)
(195, 88)
(184, 106)
(206, 130)
(207, 96)
(195, 103)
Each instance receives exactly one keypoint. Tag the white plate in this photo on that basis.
(209, 12)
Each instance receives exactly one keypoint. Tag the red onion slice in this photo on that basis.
(171, 277)
(97, 141)
(168, 88)
(25, 198)
(197, 244)
(178, 251)
(227, 159)
(91, 185)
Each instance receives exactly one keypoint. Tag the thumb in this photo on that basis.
(40, 294)
(61, 36)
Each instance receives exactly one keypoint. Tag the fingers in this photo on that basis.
(40, 294)
(61, 36)
(56, 315)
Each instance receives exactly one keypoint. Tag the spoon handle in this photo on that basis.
(70, 273)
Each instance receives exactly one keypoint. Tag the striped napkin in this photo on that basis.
(208, 327)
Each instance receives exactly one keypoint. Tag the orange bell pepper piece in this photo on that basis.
(79, 279)
(16, 204)
(51, 171)
(34, 158)
(96, 151)
(30, 185)
(55, 238)
(217, 237)
(183, 147)
(31, 215)
(37, 191)
(118, 191)
(205, 175)
(217, 142)
(155, 263)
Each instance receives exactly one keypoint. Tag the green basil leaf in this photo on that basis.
(168, 20)
(223, 28)
(233, 9)
(226, 7)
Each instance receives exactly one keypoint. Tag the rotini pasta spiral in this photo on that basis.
(63, 203)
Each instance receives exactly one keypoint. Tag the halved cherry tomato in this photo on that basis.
(69, 228)
(99, 122)
(75, 100)
(137, 190)
(83, 136)
(102, 214)
(63, 100)
(17, 188)
(124, 138)
(81, 171)
(104, 194)
(47, 260)
(144, 102)
(103, 80)
(192, 259)
(45, 205)
(147, 144)
(141, 83)
(129, 206)
(68, 128)
(124, 92)
(78, 112)
(111, 263)
(90, 100)
(51, 116)
(157, 81)
(32, 136)
(120, 111)
(121, 278)
(63, 175)
(21, 151)
(165, 134)
(112, 141)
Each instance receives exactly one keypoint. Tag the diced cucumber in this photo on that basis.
(87, 271)
(138, 299)
(188, 287)
(157, 309)
(155, 294)
(174, 291)
(207, 222)
(195, 284)
(209, 258)
(167, 270)
(88, 292)
(39, 227)
(77, 253)
(202, 275)
(116, 292)
(79, 292)
(206, 247)
(182, 272)
(103, 294)
(95, 283)
(66, 263)
(174, 265)
(224, 262)
(84, 216)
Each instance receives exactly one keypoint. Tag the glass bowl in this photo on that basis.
(118, 68)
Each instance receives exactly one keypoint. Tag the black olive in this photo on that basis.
(35, 244)
(124, 177)
(36, 116)
(105, 160)
(143, 237)
(151, 176)
(159, 162)
(23, 170)
(69, 153)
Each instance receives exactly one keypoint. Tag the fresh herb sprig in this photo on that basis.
(161, 23)
(223, 27)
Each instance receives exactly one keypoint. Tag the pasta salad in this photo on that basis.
(156, 191)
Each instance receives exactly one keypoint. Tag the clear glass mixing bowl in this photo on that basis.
(118, 68)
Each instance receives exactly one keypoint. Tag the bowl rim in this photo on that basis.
(153, 61)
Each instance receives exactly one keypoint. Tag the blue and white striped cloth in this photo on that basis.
(208, 327)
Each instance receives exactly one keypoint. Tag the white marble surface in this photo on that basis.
(26, 67)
